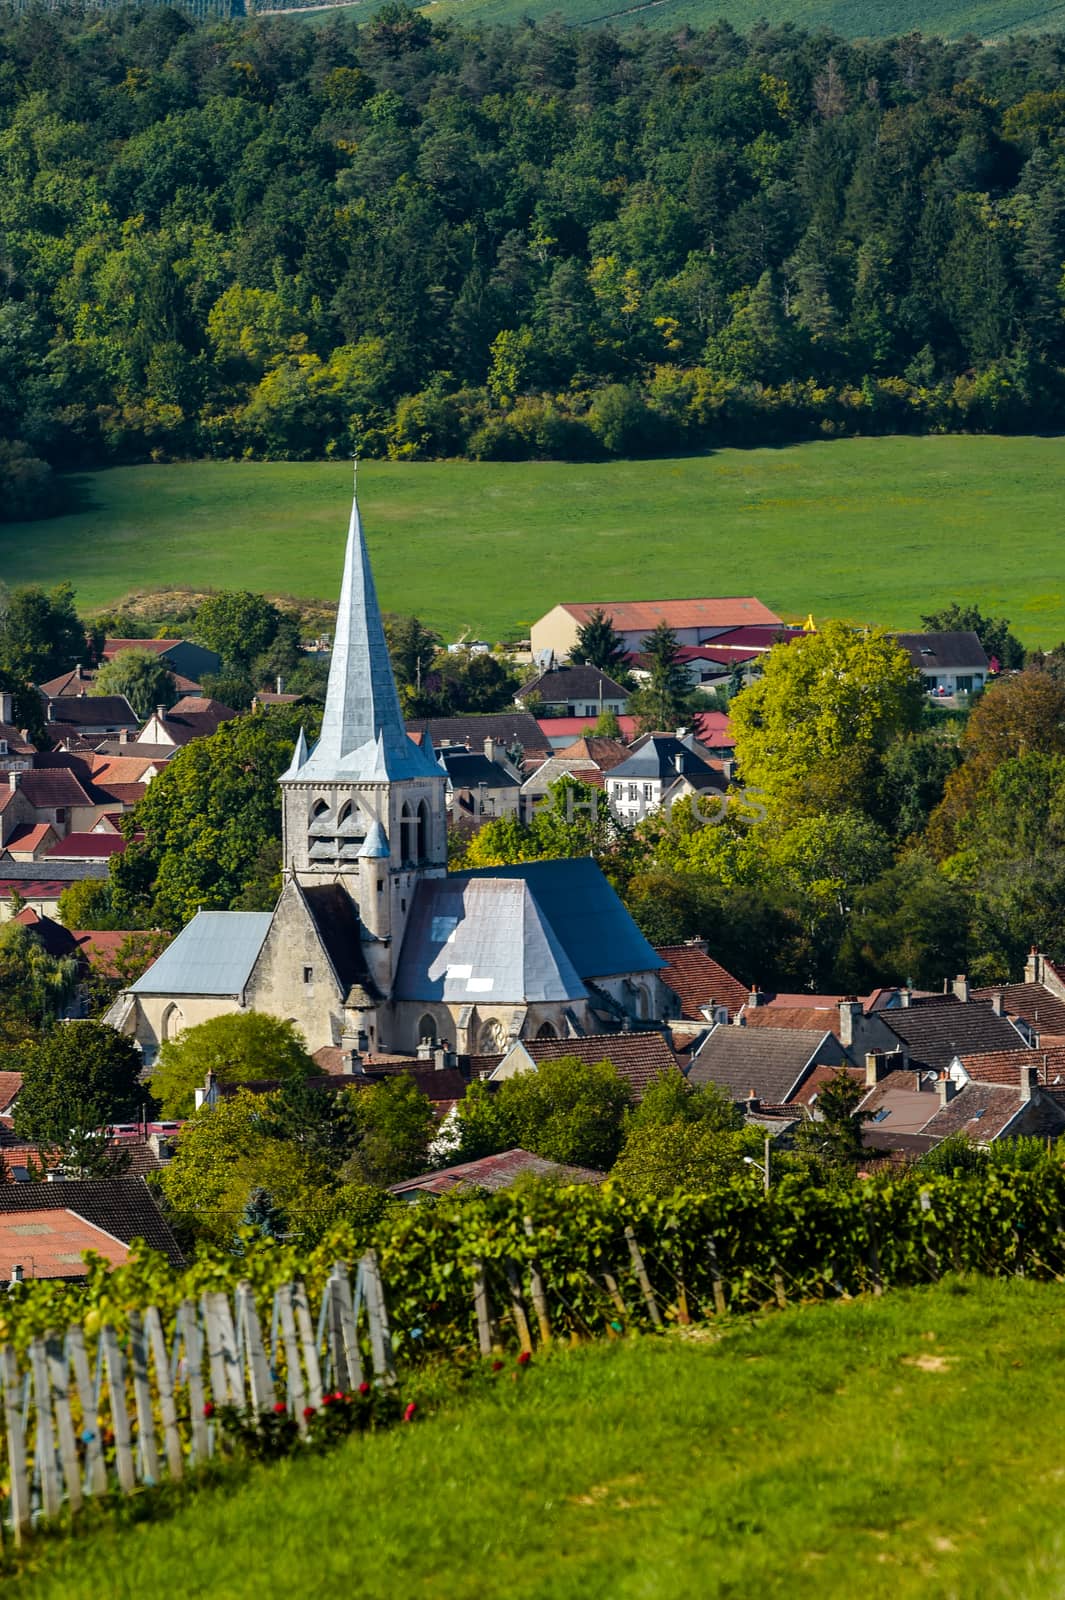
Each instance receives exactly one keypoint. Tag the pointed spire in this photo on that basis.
(299, 756)
(363, 732)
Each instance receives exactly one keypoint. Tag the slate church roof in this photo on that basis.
(363, 733)
(482, 939)
(212, 955)
(581, 907)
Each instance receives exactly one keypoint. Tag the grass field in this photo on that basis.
(901, 1449)
(869, 530)
(952, 19)
(875, 530)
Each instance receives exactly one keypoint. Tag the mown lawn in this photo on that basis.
(876, 530)
(904, 1447)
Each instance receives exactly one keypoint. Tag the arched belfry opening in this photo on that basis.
(408, 834)
(424, 835)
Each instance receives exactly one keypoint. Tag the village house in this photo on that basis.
(492, 1173)
(479, 786)
(660, 769)
(17, 750)
(46, 1228)
(193, 717)
(559, 733)
(768, 1065)
(950, 664)
(86, 717)
(515, 733)
(694, 622)
(589, 759)
(373, 945)
(573, 692)
(189, 663)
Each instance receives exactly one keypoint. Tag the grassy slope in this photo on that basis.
(909, 1447)
(872, 530)
(989, 19)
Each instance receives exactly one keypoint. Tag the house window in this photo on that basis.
(648, 791)
(590, 711)
(634, 791)
(963, 685)
(308, 974)
(380, 885)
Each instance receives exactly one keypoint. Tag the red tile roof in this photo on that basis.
(1044, 1011)
(606, 753)
(29, 837)
(632, 616)
(1004, 1066)
(810, 1090)
(89, 846)
(777, 1016)
(127, 794)
(574, 727)
(155, 647)
(493, 1173)
(696, 979)
(10, 1084)
(639, 1058)
(49, 788)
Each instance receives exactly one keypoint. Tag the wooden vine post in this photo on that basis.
(640, 1269)
(536, 1289)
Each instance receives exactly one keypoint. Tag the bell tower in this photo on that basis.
(366, 807)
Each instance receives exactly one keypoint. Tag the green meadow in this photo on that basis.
(907, 1448)
(871, 530)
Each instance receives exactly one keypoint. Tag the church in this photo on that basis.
(373, 945)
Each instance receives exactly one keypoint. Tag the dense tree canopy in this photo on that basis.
(257, 237)
(80, 1078)
(242, 1047)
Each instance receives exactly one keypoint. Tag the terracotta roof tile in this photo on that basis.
(981, 1110)
(696, 979)
(89, 846)
(631, 616)
(1044, 1011)
(776, 1016)
(639, 1058)
(1004, 1066)
(121, 1207)
(935, 1033)
(494, 1173)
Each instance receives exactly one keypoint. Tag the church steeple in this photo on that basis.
(363, 736)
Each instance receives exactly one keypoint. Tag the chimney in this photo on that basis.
(50, 711)
(280, 684)
(678, 762)
(160, 712)
(961, 987)
(13, 779)
(752, 1105)
(123, 736)
(7, 706)
(905, 999)
(876, 1067)
(998, 1003)
(490, 748)
(1029, 1081)
(1033, 967)
(946, 1088)
(16, 1273)
(849, 1010)
(756, 997)
(425, 1049)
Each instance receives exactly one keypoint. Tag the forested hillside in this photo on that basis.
(267, 239)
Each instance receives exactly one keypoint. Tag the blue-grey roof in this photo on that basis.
(585, 914)
(213, 954)
(470, 939)
(656, 758)
(363, 733)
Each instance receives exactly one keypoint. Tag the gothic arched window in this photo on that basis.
(424, 831)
